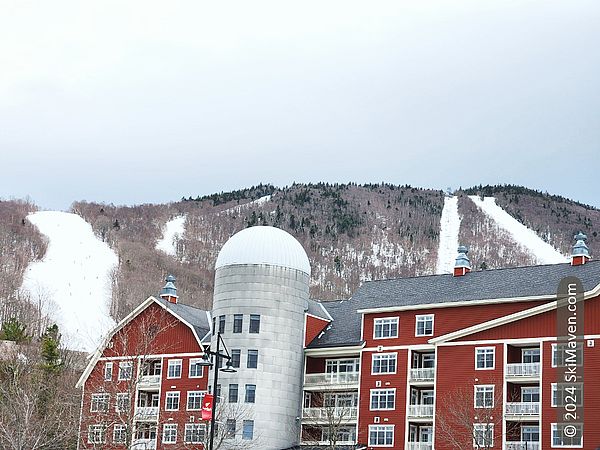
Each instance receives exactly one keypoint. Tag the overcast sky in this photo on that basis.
(130, 102)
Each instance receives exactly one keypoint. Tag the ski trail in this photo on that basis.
(172, 232)
(543, 252)
(449, 227)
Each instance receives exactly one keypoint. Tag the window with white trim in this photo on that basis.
(385, 327)
(530, 355)
(123, 402)
(230, 427)
(530, 394)
(484, 396)
(169, 433)
(194, 400)
(560, 439)
(238, 323)
(252, 362)
(96, 434)
(424, 325)
(381, 435)
(483, 435)
(108, 371)
(342, 365)
(383, 363)
(125, 370)
(485, 358)
(196, 368)
(99, 402)
(563, 355)
(250, 396)
(561, 390)
(254, 323)
(119, 433)
(172, 401)
(383, 399)
(248, 430)
(195, 433)
(174, 368)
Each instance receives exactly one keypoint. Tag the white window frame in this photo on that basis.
(97, 399)
(554, 390)
(194, 394)
(383, 321)
(486, 389)
(380, 393)
(424, 317)
(388, 356)
(554, 354)
(102, 430)
(531, 390)
(173, 427)
(486, 428)
(122, 429)
(108, 371)
(385, 429)
(123, 365)
(119, 400)
(194, 362)
(191, 428)
(244, 422)
(526, 350)
(174, 363)
(554, 429)
(493, 349)
(172, 394)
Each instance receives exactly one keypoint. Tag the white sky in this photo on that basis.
(131, 102)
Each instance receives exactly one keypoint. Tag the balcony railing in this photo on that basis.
(523, 370)
(419, 446)
(523, 409)
(422, 374)
(328, 379)
(522, 445)
(327, 413)
(146, 412)
(420, 410)
(143, 444)
(147, 381)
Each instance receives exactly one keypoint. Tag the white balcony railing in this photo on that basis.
(522, 445)
(523, 409)
(419, 446)
(523, 370)
(420, 410)
(328, 379)
(422, 374)
(149, 381)
(143, 444)
(327, 413)
(146, 412)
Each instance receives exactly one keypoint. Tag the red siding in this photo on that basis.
(314, 326)
(316, 365)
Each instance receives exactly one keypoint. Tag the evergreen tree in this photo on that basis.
(13, 330)
(50, 352)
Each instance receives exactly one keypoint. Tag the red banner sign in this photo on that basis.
(207, 405)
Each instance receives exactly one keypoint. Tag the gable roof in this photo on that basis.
(344, 330)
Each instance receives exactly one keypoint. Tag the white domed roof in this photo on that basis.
(264, 245)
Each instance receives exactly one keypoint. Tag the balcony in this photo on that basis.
(523, 370)
(522, 445)
(419, 446)
(420, 411)
(523, 409)
(325, 414)
(143, 444)
(422, 374)
(146, 413)
(331, 379)
(149, 382)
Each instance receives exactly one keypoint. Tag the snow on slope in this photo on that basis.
(449, 226)
(172, 232)
(239, 208)
(543, 252)
(73, 279)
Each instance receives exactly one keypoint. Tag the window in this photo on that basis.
(218, 394)
(108, 371)
(100, 402)
(530, 355)
(248, 430)
(172, 401)
(562, 355)
(196, 369)
(381, 435)
(214, 325)
(233, 393)
(334, 366)
(125, 370)
(236, 354)
(484, 358)
(386, 328)
(174, 370)
(194, 400)
(96, 434)
(238, 322)
(530, 433)
(250, 393)
(195, 433)
(221, 324)
(252, 359)
(560, 439)
(169, 433)
(343, 435)
(122, 402)
(119, 433)
(341, 399)
(383, 363)
(530, 394)
(559, 393)
(484, 396)
(254, 323)
(230, 429)
(483, 435)
(382, 399)
(424, 325)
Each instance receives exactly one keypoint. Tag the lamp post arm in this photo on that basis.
(214, 390)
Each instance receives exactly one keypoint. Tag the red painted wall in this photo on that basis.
(314, 326)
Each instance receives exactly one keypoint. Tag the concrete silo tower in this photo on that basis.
(260, 297)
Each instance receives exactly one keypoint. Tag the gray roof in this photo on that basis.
(344, 330)
(315, 309)
(196, 317)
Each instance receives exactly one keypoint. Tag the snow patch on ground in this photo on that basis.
(72, 281)
(240, 208)
(449, 227)
(172, 232)
(543, 252)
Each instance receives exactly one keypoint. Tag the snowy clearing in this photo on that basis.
(239, 208)
(73, 280)
(172, 232)
(543, 252)
(449, 227)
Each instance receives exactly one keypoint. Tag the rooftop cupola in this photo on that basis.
(580, 254)
(462, 265)
(169, 291)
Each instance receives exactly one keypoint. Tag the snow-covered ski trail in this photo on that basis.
(543, 252)
(72, 281)
(172, 232)
(449, 227)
